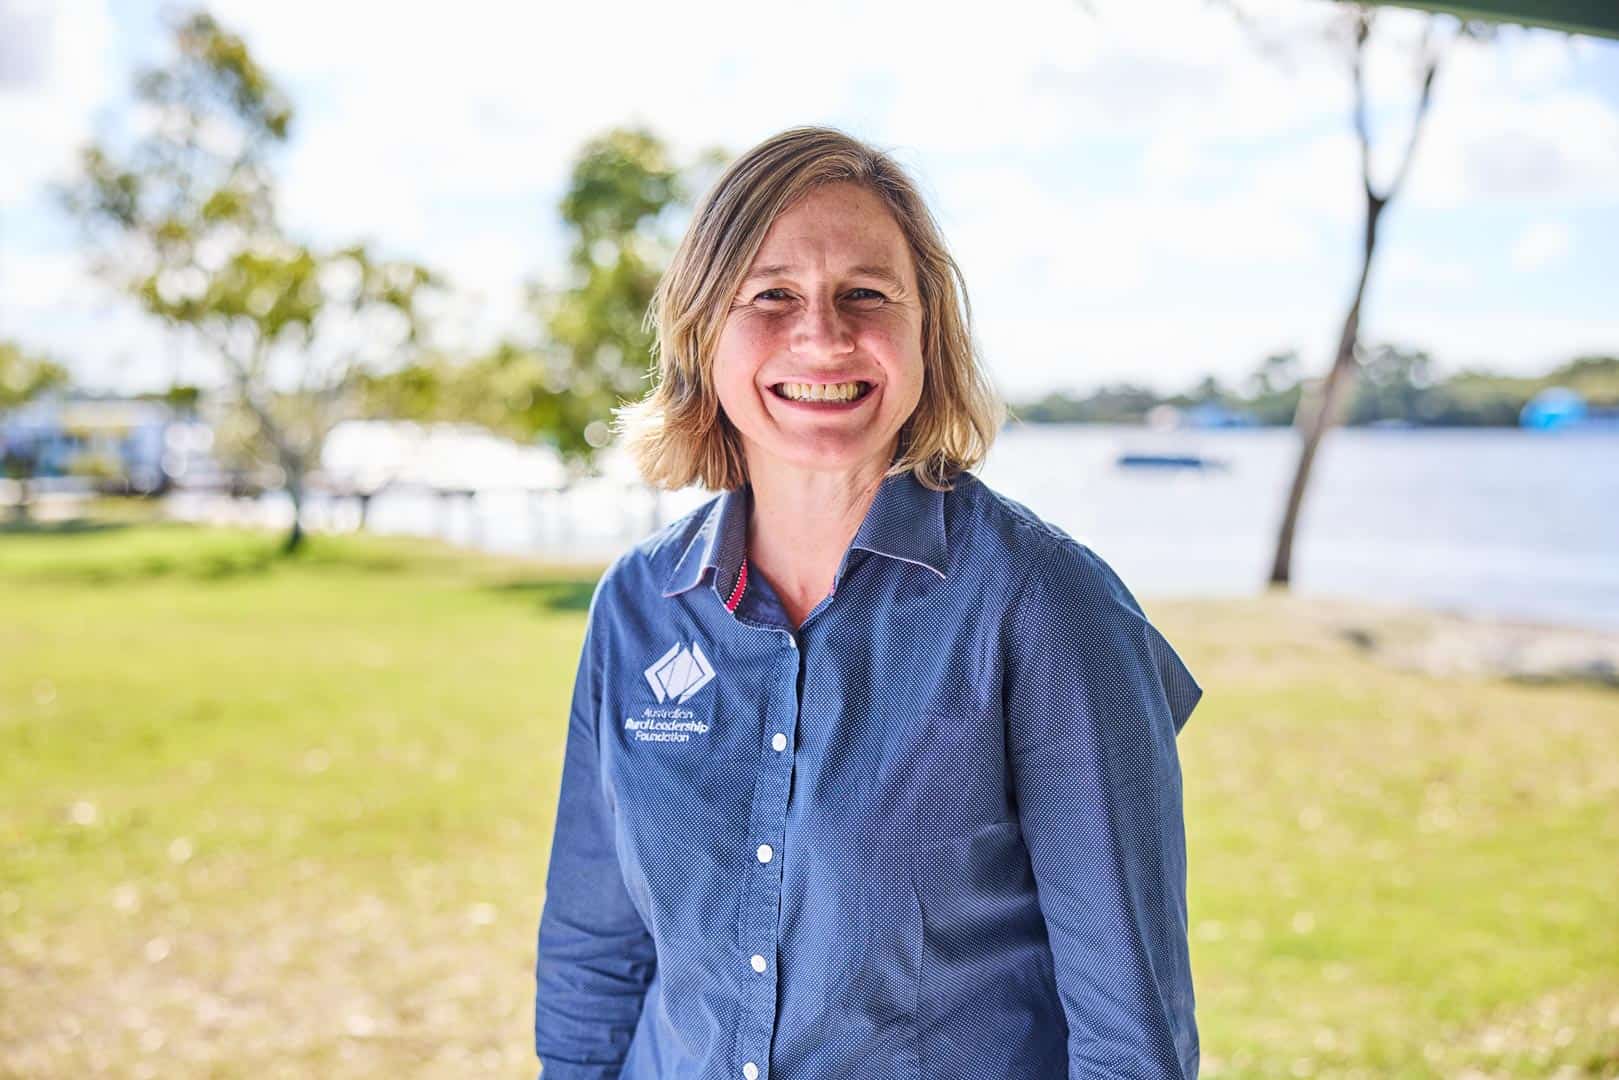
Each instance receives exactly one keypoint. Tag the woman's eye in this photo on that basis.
(861, 295)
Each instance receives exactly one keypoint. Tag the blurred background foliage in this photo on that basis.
(25, 375)
(586, 345)
(180, 214)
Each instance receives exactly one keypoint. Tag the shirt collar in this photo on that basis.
(905, 521)
(719, 543)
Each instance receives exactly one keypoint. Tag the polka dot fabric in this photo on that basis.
(933, 832)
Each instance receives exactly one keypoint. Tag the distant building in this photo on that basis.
(113, 443)
(1206, 414)
(1558, 407)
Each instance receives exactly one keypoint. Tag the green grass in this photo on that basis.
(269, 817)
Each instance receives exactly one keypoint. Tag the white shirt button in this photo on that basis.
(765, 853)
(778, 741)
(758, 962)
(751, 1071)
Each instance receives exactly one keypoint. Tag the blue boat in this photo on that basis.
(1167, 461)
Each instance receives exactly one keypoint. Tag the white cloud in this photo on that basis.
(24, 28)
(1564, 147)
(1165, 347)
(1133, 193)
(1540, 60)
(1510, 340)
(1541, 244)
(1501, 128)
(40, 284)
(54, 66)
(1406, 267)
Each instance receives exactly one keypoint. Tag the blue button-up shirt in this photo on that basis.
(935, 831)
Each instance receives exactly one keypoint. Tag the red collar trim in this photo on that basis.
(741, 585)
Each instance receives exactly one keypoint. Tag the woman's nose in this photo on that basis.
(822, 329)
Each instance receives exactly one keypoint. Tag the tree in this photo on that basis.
(183, 219)
(1324, 400)
(1394, 383)
(1273, 389)
(622, 191)
(23, 377)
(1276, 374)
(588, 345)
(1208, 391)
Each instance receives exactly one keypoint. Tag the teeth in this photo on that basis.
(820, 391)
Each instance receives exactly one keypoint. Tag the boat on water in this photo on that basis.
(1147, 460)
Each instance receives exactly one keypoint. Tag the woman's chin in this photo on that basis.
(827, 451)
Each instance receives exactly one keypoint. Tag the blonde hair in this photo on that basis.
(678, 435)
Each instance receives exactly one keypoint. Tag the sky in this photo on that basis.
(1142, 192)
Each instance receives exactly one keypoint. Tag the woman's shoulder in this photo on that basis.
(994, 529)
(1069, 602)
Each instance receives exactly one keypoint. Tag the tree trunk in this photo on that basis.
(1319, 412)
(20, 465)
(295, 538)
(19, 512)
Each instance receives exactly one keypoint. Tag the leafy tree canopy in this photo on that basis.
(181, 216)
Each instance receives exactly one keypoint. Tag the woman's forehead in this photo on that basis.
(842, 228)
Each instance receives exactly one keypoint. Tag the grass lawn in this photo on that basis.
(268, 818)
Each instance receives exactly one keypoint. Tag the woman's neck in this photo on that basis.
(800, 525)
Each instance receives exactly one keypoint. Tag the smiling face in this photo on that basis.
(819, 361)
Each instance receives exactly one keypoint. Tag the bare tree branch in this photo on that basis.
(1357, 58)
(1272, 49)
(1431, 69)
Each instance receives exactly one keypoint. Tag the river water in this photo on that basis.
(1499, 521)
(1502, 522)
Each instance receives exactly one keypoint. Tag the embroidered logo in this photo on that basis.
(679, 673)
(675, 676)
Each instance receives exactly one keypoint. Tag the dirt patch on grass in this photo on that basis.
(320, 982)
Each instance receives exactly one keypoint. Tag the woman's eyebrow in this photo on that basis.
(881, 273)
(766, 271)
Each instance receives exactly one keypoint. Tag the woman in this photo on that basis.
(870, 772)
